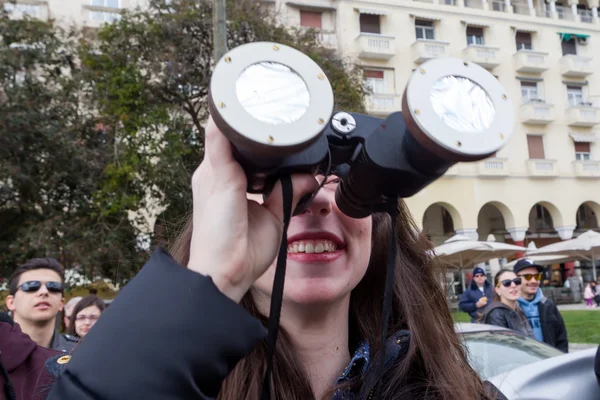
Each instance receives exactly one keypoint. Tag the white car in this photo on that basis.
(525, 369)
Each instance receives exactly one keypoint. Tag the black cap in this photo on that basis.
(525, 263)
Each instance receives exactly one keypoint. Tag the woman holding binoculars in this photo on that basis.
(204, 335)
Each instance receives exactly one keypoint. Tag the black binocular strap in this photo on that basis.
(278, 283)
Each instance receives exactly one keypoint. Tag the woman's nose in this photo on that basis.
(320, 204)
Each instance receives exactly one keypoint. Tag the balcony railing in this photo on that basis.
(537, 112)
(542, 168)
(564, 13)
(424, 50)
(576, 66)
(493, 167)
(485, 56)
(96, 16)
(584, 114)
(373, 46)
(530, 61)
(328, 40)
(474, 4)
(585, 16)
(587, 169)
(383, 104)
(498, 5)
(521, 9)
(32, 8)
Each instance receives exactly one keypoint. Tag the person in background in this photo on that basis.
(475, 300)
(68, 311)
(543, 315)
(588, 295)
(504, 311)
(35, 298)
(85, 314)
(595, 292)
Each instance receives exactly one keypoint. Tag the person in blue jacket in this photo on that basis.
(475, 299)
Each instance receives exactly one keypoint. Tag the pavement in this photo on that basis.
(573, 347)
(577, 306)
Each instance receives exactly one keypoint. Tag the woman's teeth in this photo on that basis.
(312, 246)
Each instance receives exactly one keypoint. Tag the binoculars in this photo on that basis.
(276, 107)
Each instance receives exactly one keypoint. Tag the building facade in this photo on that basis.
(544, 185)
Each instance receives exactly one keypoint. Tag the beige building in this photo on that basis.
(543, 186)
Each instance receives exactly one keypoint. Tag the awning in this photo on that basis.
(424, 17)
(314, 6)
(584, 137)
(575, 83)
(371, 11)
(522, 29)
(476, 24)
(567, 36)
(530, 79)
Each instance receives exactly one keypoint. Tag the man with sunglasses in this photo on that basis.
(543, 315)
(35, 298)
(475, 300)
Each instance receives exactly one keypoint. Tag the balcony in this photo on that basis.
(529, 61)
(96, 16)
(31, 8)
(485, 56)
(328, 40)
(587, 169)
(478, 4)
(542, 168)
(452, 171)
(493, 167)
(584, 114)
(376, 47)
(382, 104)
(576, 66)
(423, 50)
(537, 112)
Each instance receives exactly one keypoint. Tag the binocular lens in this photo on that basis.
(272, 93)
(462, 104)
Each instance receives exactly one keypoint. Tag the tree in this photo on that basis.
(52, 155)
(153, 67)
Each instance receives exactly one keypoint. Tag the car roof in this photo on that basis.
(469, 327)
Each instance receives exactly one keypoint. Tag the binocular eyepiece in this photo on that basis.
(276, 106)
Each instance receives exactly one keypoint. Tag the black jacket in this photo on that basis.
(164, 301)
(500, 314)
(553, 326)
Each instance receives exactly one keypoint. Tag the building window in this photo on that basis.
(106, 3)
(582, 151)
(375, 80)
(535, 144)
(575, 95)
(370, 23)
(524, 41)
(424, 29)
(569, 46)
(25, 9)
(474, 35)
(529, 91)
(311, 19)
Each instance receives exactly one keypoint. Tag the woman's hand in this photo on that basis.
(234, 239)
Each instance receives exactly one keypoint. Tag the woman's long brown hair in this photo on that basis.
(435, 366)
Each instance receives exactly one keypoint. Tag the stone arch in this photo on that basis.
(588, 216)
(544, 217)
(494, 217)
(441, 221)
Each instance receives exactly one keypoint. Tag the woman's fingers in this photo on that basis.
(302, 184)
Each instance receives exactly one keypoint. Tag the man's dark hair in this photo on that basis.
(33, 264)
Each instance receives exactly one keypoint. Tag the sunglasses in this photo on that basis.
(34, 286)
(479, 276)
(508, 282)
(538, 276)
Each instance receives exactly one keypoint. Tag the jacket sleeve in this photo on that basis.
(466, 304)
(170, 334)
(562, 342)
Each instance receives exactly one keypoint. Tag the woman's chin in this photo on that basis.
(315, 290)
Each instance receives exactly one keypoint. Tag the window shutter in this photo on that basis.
(474, 31)
(582, 147)
(524, 38)
(373, 74)
(311, 19)
(536, 147)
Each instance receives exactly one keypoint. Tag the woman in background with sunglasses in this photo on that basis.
(85, 314)
(505, 311)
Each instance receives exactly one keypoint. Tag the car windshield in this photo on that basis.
(492, 353)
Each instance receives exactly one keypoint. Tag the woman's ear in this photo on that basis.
(497, 290)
